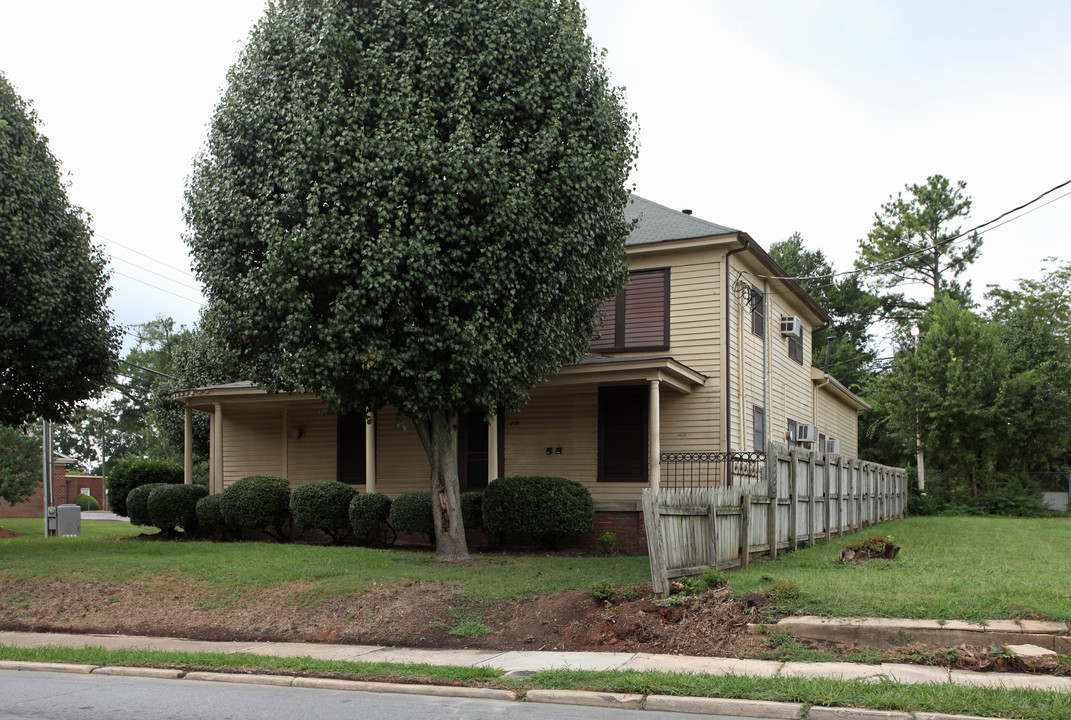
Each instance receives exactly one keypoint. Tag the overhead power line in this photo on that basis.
(156, 287)
(929, 248)
(153, 272)
(150, 257)
(142, 367)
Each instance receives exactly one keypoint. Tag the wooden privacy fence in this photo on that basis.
(801, 497)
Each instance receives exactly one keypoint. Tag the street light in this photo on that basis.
(918, 430)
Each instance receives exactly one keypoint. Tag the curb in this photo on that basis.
(619, 701)
(51, 667)
(830, 713)
(165, 673)
(402, 688)
(724, 706)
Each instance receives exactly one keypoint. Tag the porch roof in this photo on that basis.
(607, 370)
(824, 381)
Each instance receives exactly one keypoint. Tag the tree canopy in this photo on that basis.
(413, 205)
(911, 241)
(57, 344)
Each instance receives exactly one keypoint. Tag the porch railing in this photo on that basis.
(682, 470)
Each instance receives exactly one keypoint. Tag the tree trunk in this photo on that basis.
(438, 434)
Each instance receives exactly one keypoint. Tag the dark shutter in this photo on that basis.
(350, 440)
(623, 434)
(638, 318)
(758, 427)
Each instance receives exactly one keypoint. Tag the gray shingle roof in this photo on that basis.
(659, 223)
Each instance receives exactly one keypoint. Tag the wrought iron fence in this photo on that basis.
(681, 470)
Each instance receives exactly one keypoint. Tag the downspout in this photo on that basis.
(745, 243)
(767, 411)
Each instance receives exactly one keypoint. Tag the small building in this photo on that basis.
(704, 355)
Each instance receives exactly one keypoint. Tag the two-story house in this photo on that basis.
(704, 352)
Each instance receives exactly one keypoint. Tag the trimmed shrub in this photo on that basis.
(472, 510)
(210, 513)
(86, 502)
(261, 502)
(368, 511)
(137, 503)
(175, 506)
(411, 513)
(546, 508)
(324, 505)
(134, 472)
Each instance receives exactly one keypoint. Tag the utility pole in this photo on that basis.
(46, 475)
(915, 333)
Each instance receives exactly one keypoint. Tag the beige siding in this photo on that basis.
(401, 463)
(837, 419)
(253, 440)
(565, 417)
(313, 456)
(786, 383)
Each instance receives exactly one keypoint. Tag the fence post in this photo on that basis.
(793, 507)
(812, 482)
(745, 529)
(771, 493)
(712, 522)
(655, 543)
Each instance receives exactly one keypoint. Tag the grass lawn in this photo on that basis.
(243, 567)
(948, 568)
(963, 568)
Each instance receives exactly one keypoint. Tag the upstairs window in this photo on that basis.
(795, 348)
(638, 318)
(757, 302)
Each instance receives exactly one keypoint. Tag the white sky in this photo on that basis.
(770, 117)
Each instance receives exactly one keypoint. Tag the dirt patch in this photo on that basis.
(5, 533)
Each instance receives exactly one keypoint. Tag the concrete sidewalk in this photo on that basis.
(517, 663)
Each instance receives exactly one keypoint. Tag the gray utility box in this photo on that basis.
(70, 521)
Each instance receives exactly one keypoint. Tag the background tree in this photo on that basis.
(20, 465)
(950, 390)
(413, 205)
(57, 344)
(852, 308)
(1047, 299)
(920, 227)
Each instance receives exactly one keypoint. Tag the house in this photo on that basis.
(65, 488)
(705, 352)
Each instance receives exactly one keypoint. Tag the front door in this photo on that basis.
(472, 451)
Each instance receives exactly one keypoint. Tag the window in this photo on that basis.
(758, 429)
(623, 438)
(350, 437)
(822, 442)
(757, 301)
(792, 433)
(795, 348)
(638, 318)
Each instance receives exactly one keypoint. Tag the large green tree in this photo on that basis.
(852, 308)
(57, 344)
(911, 243)
(414, 204)
(20, 464)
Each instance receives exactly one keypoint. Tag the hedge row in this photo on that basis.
(545, 508)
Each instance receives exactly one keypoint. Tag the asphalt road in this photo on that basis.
(35, 695)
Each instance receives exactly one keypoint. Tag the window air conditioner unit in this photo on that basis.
(806, 433)
(833, 446)
(791, 326)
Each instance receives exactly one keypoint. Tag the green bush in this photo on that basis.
(86, 502)
(472, 509)
(210, 513)
(324, 505)
(367, 513)
(601, 591)
(546, 508)
(130, 473)
(411, 513)
(137, 504)
(261, 502)
(175, 506)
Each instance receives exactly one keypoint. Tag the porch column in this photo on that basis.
(187, 446)
(492, 450)
(370, 453)
(654, 432)
(217, 449)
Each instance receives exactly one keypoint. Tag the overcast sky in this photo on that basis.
(769, 117)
